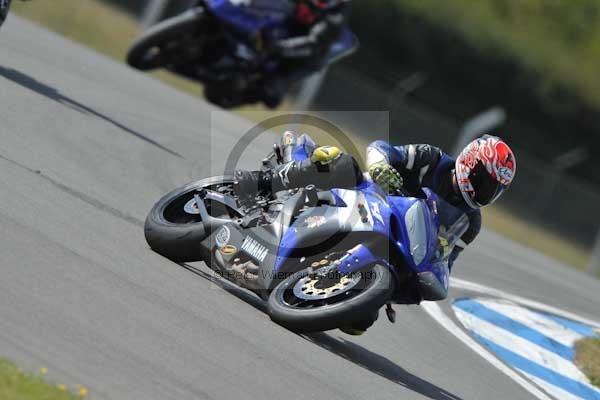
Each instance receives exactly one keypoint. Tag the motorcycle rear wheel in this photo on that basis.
(290, 308)
(175, 233)
(156, 46)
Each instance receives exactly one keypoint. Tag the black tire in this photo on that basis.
(179, 242)
(4, 7)
(353, 310)
(148, 51)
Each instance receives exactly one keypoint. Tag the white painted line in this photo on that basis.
(438, 315)
(520, 346)
(534, 320)
(466, 285)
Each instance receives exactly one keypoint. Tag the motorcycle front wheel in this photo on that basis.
(174, 227)
(170, 41)
(314, 301)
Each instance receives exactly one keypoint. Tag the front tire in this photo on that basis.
(288, 307)
(173, 233)
(157, 46)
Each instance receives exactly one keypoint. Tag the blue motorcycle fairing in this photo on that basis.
(418, 227)
(248, 16)
(357, 258)
(380, 216)
(320, 224)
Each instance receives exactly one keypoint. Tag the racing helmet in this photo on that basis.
(307, 11)
(326, 4)
(484, 170)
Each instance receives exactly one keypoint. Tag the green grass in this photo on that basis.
(18, 385)
(587, 358)
(110, 31)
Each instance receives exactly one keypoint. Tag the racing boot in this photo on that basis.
(360, 327)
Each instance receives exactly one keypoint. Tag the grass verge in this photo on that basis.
(18, 385)
(110, 31)
(587, 358)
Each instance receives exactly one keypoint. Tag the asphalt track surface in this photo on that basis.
(86, 147)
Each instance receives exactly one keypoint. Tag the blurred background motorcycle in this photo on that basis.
(234, 49)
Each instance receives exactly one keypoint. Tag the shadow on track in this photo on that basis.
(230, 287)
(350, 351)
(379, 365)
(53, 94)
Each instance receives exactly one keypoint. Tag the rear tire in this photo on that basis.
(316, 318)
(150, 50)
(179, 242)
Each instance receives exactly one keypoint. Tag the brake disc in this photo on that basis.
(312, 288)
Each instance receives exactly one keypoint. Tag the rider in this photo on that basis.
(478, 176)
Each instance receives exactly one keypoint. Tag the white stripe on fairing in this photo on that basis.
(466, 285)
(533, 320)
(438, 315)
(518, 345)
(411, 157)
(550, 388)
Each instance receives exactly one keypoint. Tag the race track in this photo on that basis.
(86, 147)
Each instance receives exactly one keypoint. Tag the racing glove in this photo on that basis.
(387, 177)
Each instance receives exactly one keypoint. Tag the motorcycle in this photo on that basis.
(223, 44)
(322, 259)
(4, 6)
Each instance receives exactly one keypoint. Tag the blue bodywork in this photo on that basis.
(416, 231)
(249, 19)
(271, 18)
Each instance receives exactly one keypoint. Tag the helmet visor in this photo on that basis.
(486, 188)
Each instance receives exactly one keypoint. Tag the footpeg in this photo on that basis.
(391, 314)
